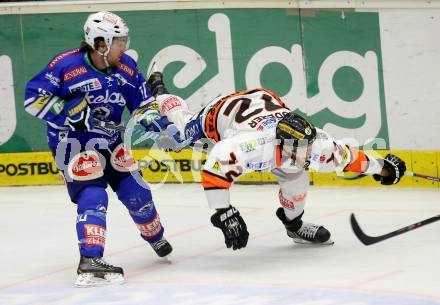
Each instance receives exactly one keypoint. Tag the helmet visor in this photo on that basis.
(121, 42)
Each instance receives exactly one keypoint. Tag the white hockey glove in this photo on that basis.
(395, 167)
(233, 227)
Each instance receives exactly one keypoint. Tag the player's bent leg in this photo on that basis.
(292, 196)
(139, 202)
(92, 270)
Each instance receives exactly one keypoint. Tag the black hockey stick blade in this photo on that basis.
(364, 238)
(369, 240)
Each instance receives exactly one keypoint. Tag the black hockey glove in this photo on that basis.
(233, 227)
(156, 84)
(396, 168)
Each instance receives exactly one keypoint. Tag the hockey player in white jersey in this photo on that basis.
(253, 130)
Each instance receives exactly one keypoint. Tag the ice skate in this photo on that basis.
(162, 247)
(94, 271)
(304, 232)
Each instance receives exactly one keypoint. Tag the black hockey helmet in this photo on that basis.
(294, 128)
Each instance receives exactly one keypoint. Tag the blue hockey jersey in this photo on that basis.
(69, 75)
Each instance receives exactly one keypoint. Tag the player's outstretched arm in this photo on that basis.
(387, 171)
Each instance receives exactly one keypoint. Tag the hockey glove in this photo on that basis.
(169, 139)
(233, 227)
(149, 117)
(79, 115)
(396, 168)
(156, 84)
(153, 121)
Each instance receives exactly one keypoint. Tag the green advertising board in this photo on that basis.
(324, 64)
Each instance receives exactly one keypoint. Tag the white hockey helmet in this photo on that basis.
(108, 26)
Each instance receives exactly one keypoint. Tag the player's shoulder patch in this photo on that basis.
(128, 66)
(61, 57)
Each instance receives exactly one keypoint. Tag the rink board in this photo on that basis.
(38, 168)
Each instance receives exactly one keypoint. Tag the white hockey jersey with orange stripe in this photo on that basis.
(243, 125)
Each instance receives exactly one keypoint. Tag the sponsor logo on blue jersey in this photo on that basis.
(109, 97)
(53, 79)
(86, 86)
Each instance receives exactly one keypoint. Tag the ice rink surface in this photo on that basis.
(39, 254)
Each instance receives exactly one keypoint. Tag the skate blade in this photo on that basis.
(86, 280)
(305, 242)
(166, 259)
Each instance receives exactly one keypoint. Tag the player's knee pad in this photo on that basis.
(137, 198)
(92, 198)
(91, 222)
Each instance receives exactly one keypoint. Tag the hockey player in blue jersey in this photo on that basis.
(78, 89)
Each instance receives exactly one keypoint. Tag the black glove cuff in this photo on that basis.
(156, 84)
(222, 214)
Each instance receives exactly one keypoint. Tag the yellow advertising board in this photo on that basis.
(28, 169)
(38, 168)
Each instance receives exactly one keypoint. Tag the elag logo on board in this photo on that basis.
(322, 65)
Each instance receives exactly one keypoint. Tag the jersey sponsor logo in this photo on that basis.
(122, 160)
(267, 124)
(85, 166)
(248, 146)
(126, 69)
(217, 167)
(94, 235)
(170, 103)
(258, 166)
(52, 79)
(78, 71)
(61, 56)
(252, 144)
(86, 86)
(318, 158)
(277, 115)
(40, 102)
(57, 107)
(151, 228)
(112, 98)
(78, 108)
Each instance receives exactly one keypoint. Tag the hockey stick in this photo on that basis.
(412, 174)
(409, 174)
(369, 240)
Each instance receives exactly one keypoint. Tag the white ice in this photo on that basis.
(39, 254)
